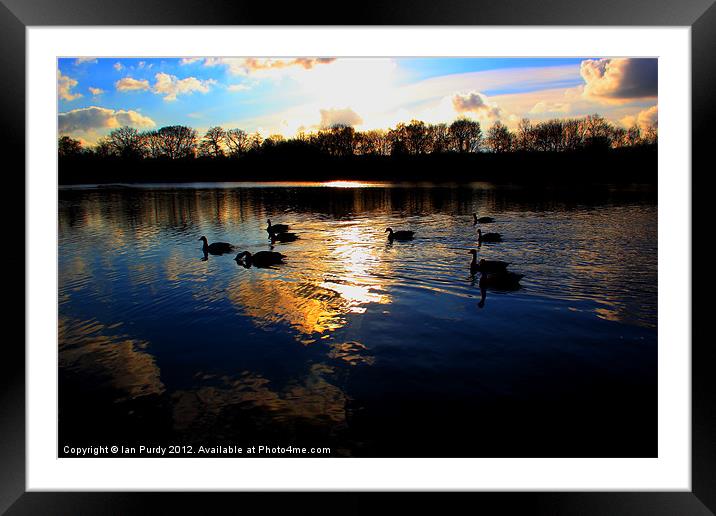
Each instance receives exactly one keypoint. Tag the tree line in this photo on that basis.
(462, 136)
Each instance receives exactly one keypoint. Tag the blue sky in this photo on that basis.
(286, 95)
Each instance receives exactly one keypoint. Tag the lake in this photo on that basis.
(366, 347)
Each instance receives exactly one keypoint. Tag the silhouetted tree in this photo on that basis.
(439, 138)
(499, 138)
(415, 138)
(525, 135)
(237, 141)
(212, 144)
(126, 142)
(466, 135)
(68, 147)
(650, 135)
(177, 141)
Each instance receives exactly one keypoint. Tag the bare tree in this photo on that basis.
(525, 135)
(466, 135)
(499, 138)
(212, 144)
(177, 141)
(237, 141)
(439, 138)
(650, 135)
(126, 142)
(68, 147)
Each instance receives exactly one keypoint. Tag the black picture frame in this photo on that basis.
(16, 15)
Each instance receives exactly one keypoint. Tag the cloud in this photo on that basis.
(248, 65)
(189, 60)
(95, 91)
(549, 107)
(619, 80)
(94, 117)
(170, 86)
(476, 103)
(644, 119)
(130, 84)
(238, 87)
(64, 85)
(81, 60)
(118, 66)
(346, 116)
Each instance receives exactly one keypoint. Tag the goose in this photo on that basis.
(283, 237)
(260, 259)
(488, 237)
(486, 265)
(399, 235)
(482, 220)
(504, 280)
(275, 228)
(216, 247)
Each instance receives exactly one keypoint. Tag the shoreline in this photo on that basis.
(620, 166)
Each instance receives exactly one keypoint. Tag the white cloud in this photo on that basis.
(619, 80)
(170, 86)
(238, 87)
(94, 117)
(644, 119)
(476, 103)
(130, 84)
(249, 65)
(95, 91)
(346, 116)
(118, 66)
(64, 87)
(189, 60)
(549, 107)
(81, 60)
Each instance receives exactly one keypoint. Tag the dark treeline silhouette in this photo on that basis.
(578, 149)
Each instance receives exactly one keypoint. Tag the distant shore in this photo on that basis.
(626, 165)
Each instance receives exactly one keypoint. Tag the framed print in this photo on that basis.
(436, 250)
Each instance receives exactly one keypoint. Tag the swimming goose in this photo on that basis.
(283, 237)
(486, 265)
(488, 237)
(482, 220)
(260, 259)
(275, 228)
(399, 235)
(216, 247)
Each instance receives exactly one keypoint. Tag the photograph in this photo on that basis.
(377, 257)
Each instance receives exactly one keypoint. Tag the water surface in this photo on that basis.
(366, 347)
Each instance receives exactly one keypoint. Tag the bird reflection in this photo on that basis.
(206, 255)
(262, 259)
(283, 237)
(483, 289)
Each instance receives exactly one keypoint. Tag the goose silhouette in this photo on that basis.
(275, 228)
(482, 220)
(399, 235)
(488, 237)
(216, 247)
(486, 265)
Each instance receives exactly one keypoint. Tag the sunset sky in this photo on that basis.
(286, 95)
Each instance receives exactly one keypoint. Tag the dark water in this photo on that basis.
(366, 347)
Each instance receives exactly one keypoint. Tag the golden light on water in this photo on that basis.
(336, 278)
(348, 184)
